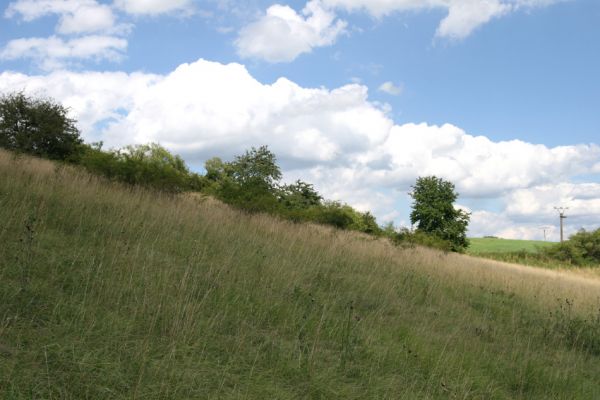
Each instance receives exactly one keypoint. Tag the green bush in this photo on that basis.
(582, 248)
(411, 238)
(333, 213)
(147, 165)
(588, 244)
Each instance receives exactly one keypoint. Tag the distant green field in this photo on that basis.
(497, 245)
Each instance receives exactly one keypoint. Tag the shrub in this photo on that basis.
(581, 248)
(588, 244)
(147, 165)
(333, 213)
(406, 237)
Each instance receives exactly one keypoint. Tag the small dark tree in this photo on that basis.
(38, 126)
(435, 214)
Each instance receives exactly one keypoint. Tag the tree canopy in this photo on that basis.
(434, 213)
(257, 168)
(37, 126)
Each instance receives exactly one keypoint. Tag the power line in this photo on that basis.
(545, 228)
(561, 213)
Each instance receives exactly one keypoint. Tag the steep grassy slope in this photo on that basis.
(112, 292)
(497, 245)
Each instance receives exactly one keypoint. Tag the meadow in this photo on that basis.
(113, 291)
(527, 252)
(499, 245)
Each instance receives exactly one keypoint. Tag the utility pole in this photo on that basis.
(545, 228)
(561, 213)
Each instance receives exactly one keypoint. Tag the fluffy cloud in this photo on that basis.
(390, 88)
(53, 52)
(528, 211)
(485, 223)
(582, 199)
(478, 166)
(94, 98)
(338, 139)
(76, 16)
(88, 31)
(281, 34)
(154, 7)
(464, 16)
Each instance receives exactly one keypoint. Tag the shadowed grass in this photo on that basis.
(108, 291)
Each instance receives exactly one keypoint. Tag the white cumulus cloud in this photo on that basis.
(282, 34)
(155, 7)
(76, 16)
(528, 211)
(464, 16)
(86, 31)
(390, 88)
(54, 52)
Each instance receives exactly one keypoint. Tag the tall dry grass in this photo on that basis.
(109, 291)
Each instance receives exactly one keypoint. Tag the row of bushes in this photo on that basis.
(148, 165)
(252, 181)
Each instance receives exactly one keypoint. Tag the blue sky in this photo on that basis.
(359, 97)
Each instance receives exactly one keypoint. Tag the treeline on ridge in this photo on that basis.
(251, 182)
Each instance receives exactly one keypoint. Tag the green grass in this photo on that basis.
(110, 292)
(525, 252)
(498, 245)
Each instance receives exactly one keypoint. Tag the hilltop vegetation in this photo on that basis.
(109, 290)
(251, 182)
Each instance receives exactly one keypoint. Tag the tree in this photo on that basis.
(38, 126)
(257, 168)
(434, 213)
(248, 182)
(299, 195)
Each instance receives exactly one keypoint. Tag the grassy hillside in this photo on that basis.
(498, 245)
(110, 292)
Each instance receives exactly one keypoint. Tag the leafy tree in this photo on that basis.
(248, 182)
(216, 169)
(257, 168)
(38, 126)
(434, 213)
(368, 224)
(299, 195)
